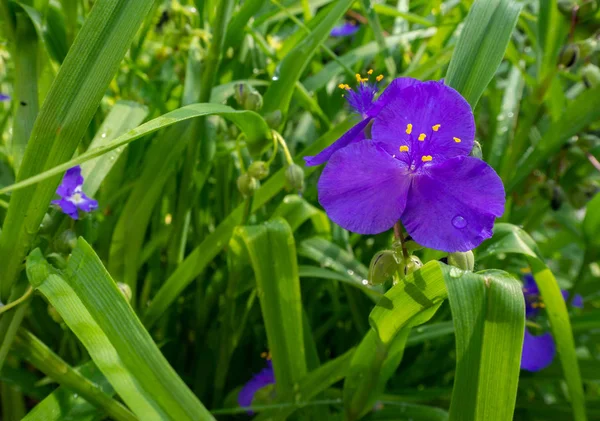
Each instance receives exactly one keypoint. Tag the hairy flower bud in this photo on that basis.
(247, 184)
(383, 266)
(247, 97)
(258, 170)
(274, 119)
(294, 177)
(569, 54)
(409, 266)
(591, 75)
(462, 260)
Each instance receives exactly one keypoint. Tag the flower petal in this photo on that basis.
(70, 181)
(67, 207)
(391, 92)
(441, 122)
(363, 189)
(452, 206)
(577, 301)
(353, 135)
(538, 351)
(87, 204)
(265, 377)
(344, 30)
(532, 295)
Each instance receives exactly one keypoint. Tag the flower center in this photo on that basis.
(420, 155)
(77, 196)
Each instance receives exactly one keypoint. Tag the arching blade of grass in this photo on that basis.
(94, 308)
(67, 110)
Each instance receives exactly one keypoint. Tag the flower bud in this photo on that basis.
(568, 55)
(66, 242)
(294, 177)
(57, 260)
(383, 266)
(274, 119)
(125, 290)
(476, 151)
(462, 260)
(258, 170)
(240, 92)
(591, 75)
(47, 224)
(409, 266)
(588, 46)
(254, 101)
(247, 184)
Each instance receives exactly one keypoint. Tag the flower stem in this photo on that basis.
(17, 301)
(399, 236)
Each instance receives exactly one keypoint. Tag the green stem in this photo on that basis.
(17, 301)
(42, 357)
(375, 25)
(10, 322)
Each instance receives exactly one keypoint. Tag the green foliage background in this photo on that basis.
(159, 305)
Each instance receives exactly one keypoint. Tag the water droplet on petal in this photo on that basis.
(459, 222)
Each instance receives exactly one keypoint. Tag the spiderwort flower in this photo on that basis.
(414, 166)
(72, 196)
(344, 30)
(4, 97)
(263, 378)
(538, 351)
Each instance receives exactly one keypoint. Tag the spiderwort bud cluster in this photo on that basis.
(462, 260)
(248, 97)
(258, 170)
(569, 54)
(383, 266)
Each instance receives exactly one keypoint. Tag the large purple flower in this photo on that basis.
(414, 167)
(345, 29)
(72, 196)
(538, 351)
(263, 378)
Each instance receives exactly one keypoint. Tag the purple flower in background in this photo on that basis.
(344, 30)
(538, 351)
(72, 196)
(415, 167)
(263, 378)
(4, 97)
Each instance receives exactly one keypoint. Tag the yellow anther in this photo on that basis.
(379, 78)
(370, 72)
(342, 86)
(422, 137)
(456, 139)
(436, 127)
(426, 158)
(361, 79)
(403, 148)
(408, 128)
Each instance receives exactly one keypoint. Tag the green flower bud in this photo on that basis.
(294, 177)
(409, 266)
(57, 260)
(569, 54)
(258, 170)
(588, 46)
(240, 92)
(591, 75)
(274, 119)
(66, 242)
(125, 290)
(476, 151)
(247, 184)
(253, 101)
(462, 260)
(383, 266)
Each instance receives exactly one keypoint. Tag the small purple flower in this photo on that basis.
(345, 29)
(4, 97)
(72, 196)
(413, 167)
(538, 351)
(263, 378)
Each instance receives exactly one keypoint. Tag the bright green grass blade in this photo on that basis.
(124, 116)
(488, 311)
(481, 46)
(249, 122)
(204, 253)
(63, 119)
(94, 308)
(386, 10)
(290, 69)
(512, 239)
(272, 251)
(296, 210)
(390, 411)
(591, 222)
(322, 273)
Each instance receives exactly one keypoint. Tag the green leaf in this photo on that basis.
(94, 308)
(67, 110)
(591, 222)
(488, 311)
(272, 251)
(481, 46)
(296, 210)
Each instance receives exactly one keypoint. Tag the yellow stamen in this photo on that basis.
(422, 137)
(370, 72)
(379, 78)
(436, 127)
(403, 148)
(525, 270)
(456, 139)
(408, 128)
(361, 79)
(426, 158)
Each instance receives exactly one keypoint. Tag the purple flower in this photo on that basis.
(344, 30)
(263, 378)
(4, 97)
(538, 351)
(413, 167)
(72, 196)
